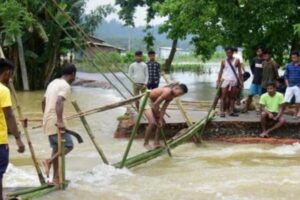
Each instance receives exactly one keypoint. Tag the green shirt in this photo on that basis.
(272, 104)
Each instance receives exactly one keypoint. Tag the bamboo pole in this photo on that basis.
(59, 150)
(90, 133)
(100, 109)
(213, 107)
(25, 129)
(26, 191)
(135, 128)
(63, 164)
(150, 155)
(182, 110)
(165, 141)
(36, 194)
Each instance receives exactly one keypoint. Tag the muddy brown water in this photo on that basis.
(210, 171)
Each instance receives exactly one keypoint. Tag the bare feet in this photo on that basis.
(148, 147)
(156, 145)
(47, 166)
(265, 134)
(55, 182)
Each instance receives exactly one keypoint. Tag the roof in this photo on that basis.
(101, 43)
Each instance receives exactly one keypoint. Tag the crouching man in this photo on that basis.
(272, 107)
(155, 110)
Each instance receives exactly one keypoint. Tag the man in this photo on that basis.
(257, 70)
(155, 114)
(7, 119)
(57, 93)
(270, 70)
(138, 71)
(292, 80)
(231, 74)
(238, 55)
(153, 71)
(272, 106)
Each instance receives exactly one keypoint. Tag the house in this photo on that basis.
(165, 51)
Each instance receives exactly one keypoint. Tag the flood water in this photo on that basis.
(211, 171)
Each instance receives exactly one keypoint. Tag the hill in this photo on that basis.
(115, 33)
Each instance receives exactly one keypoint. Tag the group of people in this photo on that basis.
(147, 76)
(275, 92)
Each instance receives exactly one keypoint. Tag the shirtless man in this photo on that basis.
(155, 114)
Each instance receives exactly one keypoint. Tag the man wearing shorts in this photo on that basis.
(7, 119)
(58, 91)
(272, 106)
(231, 74)
(138, 71)
(292, 79)
(154, 112)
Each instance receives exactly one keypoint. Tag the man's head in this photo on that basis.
(295, 57)
(259, 51)
(267, 55)
(229, 52)
(179, 90)
(68, 72)
(151, 55)
(6, 70)
(271, 88)
(235, 49)
(138, 56)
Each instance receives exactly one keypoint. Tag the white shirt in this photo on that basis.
(228, 73)
(139, 72)
(58, 87)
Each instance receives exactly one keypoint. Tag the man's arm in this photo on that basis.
(43, 104)
(59, 108)
(146, 74)
(240, 73)
(13, 128)
(130, 71)
(252, 66)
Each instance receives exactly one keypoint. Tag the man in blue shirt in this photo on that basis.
(292, 79)
(153, 71)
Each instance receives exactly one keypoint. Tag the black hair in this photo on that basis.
(235, 49)
(281, 80)
(184, 88)
(138, 53)
(266, 51)
(5, 65)
(261, 48)
(295, 53)
(271, 84)
(229, 49)
(151, 52)
(68, 69)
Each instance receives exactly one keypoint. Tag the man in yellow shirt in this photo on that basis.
(58, 91)
(272, 106)
(7, 119)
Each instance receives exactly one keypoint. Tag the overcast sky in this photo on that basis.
(140, 14)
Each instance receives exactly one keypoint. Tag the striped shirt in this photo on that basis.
(292, 74)
(154, 72)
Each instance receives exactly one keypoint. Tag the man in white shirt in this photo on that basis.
(138, 71)
(58, 91)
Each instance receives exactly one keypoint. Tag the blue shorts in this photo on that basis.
(64, 136)
(4, 160)
(255, 90)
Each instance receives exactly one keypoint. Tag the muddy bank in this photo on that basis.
(91, 83)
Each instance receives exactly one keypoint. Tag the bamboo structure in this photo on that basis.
(135, 128)
(90, 133)
(165, 141)
(59, 150)
(152, 154)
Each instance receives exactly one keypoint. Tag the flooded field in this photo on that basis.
(211, 171)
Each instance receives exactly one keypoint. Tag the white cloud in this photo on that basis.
(139, 17)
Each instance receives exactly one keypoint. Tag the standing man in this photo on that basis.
(272, 106)
(7, 119)
(270, 70)
(257, 70)
(138, 71)
(292, 80)
(231, 74)
(153, 70)
(58, 91)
